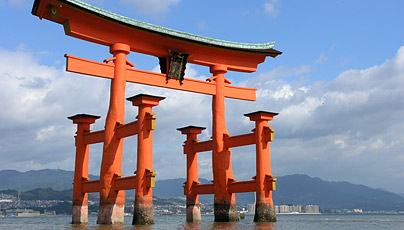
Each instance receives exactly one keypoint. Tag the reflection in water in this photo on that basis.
(190, 226)
(141, 227)
(168, 223)
(111, 227)
(285, 222)
(200, 226)
(231, 225)
(79, 226)
(227, 226)
(270, 226)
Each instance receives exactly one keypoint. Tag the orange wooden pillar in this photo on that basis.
(80, 199)
(143, 209)
(225, 208)
(112, 202)
(264, 207)
(193, 207)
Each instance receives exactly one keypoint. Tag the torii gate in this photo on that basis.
(173, 48)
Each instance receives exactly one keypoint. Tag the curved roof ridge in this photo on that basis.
(168, 31)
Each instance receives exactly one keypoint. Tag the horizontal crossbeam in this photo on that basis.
(120, 183)
(229, 142)
(99, 69)
(125, 183)
(91, 186)
(202, 146)
(233, 187)
(243, 186)
(239, 140)
(127, 130)
(203, 189)
(122, 131)
(94, 137)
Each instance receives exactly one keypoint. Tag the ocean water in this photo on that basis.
(285, 222)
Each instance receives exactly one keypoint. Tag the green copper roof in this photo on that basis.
(265, 47)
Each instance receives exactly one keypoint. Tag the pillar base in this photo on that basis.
(111, 214)
(194, 213)
(226, 213)
(80, 214)
(264, 213)
(143, 213)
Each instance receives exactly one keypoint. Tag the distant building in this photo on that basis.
(288, 208)
(357, 210)
(312, 209)
(50, 213)
(251, 208)
(22, 213)
(284, 209)
(295, 208)
(29, 214)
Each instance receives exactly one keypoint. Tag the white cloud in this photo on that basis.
(271, 8)
(282, 92)
(281, 71)
(35, 101)
(340, 143)
(321, 59)
(45, 133)
(151, 6)
(202, 26)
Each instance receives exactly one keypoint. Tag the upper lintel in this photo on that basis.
(93, 24)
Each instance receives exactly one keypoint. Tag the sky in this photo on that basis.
(338, 88)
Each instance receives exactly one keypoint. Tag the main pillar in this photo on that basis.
(143, 208)
(80, 199)
(193, 207)
(112, 202)
(225, 208)
(264, 206)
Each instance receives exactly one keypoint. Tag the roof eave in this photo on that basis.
(265, 50)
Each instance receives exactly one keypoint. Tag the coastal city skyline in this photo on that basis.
(337, 88)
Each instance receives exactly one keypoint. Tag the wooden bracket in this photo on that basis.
(151, 121)
(269, 134)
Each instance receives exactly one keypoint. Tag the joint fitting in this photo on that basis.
(119, 47)
(218, 69)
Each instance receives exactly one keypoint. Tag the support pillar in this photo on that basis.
(225, 208)
(193, 207)
(264, 207)
(80, 199)
(112, 202)
(143, 209)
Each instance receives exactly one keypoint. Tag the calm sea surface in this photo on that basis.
(289, 222)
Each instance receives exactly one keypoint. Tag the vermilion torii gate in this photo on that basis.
(173, 48)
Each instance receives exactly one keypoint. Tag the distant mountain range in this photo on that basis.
(302, 189)
(45, 178)
(291, 189)
(41, 194)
